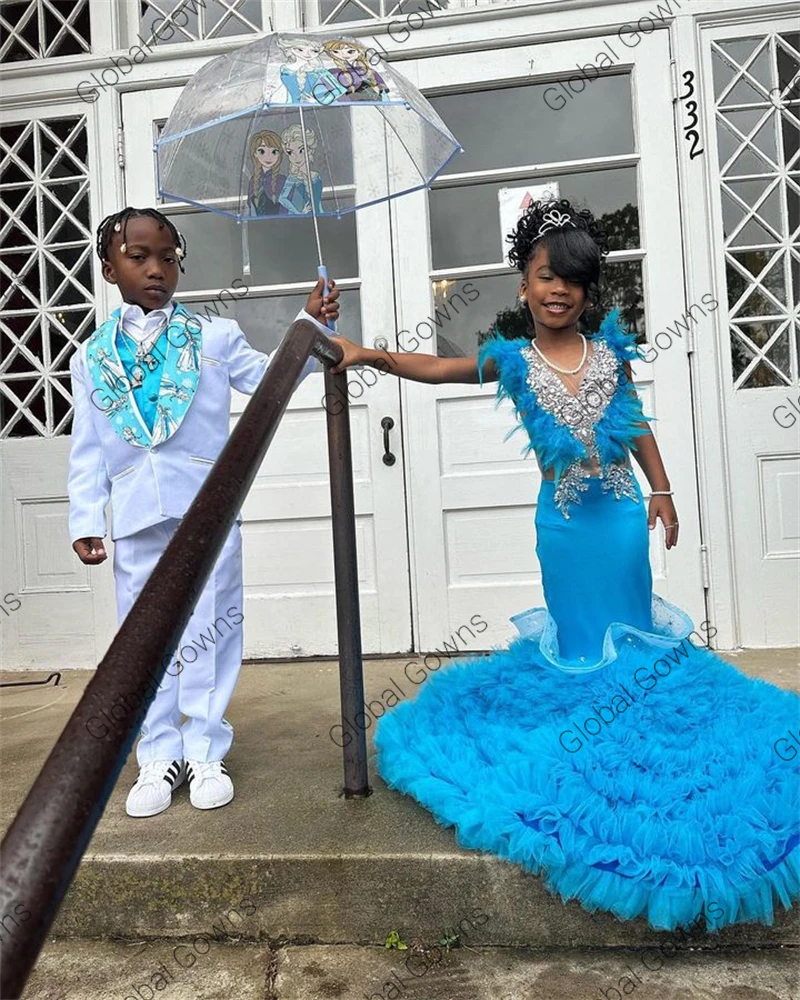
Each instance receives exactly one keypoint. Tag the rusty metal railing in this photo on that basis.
(45, 843)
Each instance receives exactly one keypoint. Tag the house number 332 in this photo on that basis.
(690, 131)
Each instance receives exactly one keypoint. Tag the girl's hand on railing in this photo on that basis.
(323, 307)
(352, 354)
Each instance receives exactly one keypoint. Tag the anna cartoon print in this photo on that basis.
(354, 72)
(267, 181)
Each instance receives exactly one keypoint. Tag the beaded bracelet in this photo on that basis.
(660, 493)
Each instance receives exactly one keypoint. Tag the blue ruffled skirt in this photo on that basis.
(607, 749)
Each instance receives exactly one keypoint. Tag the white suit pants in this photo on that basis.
(199, 681)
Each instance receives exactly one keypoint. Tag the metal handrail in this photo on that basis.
(44, 845)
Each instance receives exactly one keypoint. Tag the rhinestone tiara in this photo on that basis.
(554, 220)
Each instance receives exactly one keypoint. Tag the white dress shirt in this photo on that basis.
(139, 326)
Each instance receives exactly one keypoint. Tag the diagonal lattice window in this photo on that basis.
(169, 21)
(757, 107)
(47, 307)
(38, 29)
(341, 11)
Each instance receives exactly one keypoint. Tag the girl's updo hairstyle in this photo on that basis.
(575, 251)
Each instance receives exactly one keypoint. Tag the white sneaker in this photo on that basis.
(209, 784)
(152, 791)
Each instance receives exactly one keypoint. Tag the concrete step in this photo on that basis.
(316, 868)
(207, 969)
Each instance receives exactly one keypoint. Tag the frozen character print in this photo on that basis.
(189, 358)
(299, 189)
(172, 390)
(137, 377)
(304, 75)
(266, 183)
(113, 371)
(114, 408)
(353, 71)
(165, 424)
(131, 435)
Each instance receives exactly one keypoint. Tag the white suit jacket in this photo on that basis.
(147, 485)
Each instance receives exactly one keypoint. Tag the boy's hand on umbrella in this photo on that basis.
(323, 307)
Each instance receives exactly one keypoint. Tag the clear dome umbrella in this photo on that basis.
(296, 126)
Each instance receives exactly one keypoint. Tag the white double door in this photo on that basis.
(446, 537)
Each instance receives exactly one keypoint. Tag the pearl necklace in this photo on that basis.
(555, 367)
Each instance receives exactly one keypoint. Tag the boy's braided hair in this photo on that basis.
(118, 222)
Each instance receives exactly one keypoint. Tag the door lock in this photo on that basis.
(380, 344)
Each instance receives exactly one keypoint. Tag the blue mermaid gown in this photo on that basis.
(607, 748)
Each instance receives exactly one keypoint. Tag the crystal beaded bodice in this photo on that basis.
(580, 413)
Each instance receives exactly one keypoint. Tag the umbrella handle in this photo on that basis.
(322, 272)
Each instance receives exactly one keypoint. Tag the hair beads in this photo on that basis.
(118, 223)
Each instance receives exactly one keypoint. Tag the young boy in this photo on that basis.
(152, 393)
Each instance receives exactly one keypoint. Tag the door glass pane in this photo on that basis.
(281, 250)
(47, 302)
(622, 288)
(461, 330)
(244, 17)
(337, 12)
(465, 313)
(167, 21)
(465, 221)
(504, 127)
(265, 319)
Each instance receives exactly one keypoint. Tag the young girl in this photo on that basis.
(266, 184)
(152, 394)
(602, 748)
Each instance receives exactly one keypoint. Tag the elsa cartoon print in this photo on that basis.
(303, 73)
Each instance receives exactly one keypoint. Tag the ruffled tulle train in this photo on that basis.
(651, 788)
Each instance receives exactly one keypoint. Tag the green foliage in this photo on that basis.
(393, 941)
(450, 939)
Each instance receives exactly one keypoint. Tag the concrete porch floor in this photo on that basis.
(325, 873)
